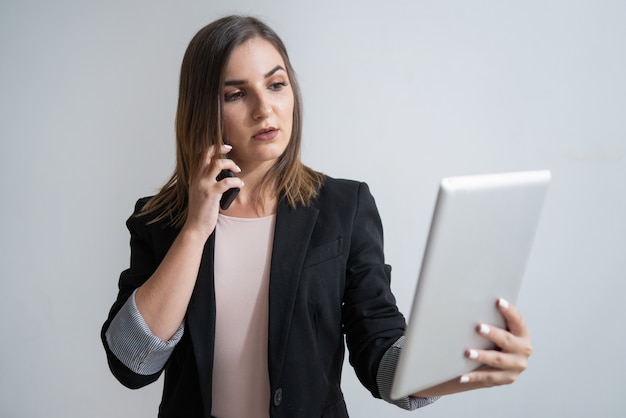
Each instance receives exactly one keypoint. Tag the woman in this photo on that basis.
(245, 308)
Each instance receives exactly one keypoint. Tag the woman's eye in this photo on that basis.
(231, 97)
(278, 86)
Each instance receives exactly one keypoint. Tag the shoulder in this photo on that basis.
(147, 223)
(137, 218)
(336, 186)
(344, 196)
(343, 190)
(141, 202)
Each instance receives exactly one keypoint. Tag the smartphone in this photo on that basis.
(230, 194)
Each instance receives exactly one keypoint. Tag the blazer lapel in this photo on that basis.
(201, 320)
(292, 235)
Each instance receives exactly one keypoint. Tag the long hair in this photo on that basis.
(199, 121)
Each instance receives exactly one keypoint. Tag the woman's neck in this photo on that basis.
(244, 207)
(246, 204)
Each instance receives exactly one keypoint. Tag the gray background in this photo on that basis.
(397, 93)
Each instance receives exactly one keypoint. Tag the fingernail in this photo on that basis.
(472, 354)
(484, 329)
(464, 379)
(502, 303)
(228, 146)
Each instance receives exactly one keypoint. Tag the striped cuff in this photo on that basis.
(386, 373)
(132, 342)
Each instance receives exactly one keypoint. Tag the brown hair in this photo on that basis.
(199, 121)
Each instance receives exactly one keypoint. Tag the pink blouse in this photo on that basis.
(243, 250)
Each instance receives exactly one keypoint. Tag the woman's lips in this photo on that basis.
(266, 134)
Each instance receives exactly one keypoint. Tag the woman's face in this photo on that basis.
(258, 104)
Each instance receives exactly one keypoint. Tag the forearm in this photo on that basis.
(130, 340)
(163, 299)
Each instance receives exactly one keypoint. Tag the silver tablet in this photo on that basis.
(480, 237)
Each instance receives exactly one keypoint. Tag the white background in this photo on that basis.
(397, 93)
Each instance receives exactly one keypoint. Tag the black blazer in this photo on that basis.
(328, 279)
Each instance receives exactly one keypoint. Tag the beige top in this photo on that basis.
(243, 250)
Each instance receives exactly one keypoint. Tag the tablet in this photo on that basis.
(480, 238)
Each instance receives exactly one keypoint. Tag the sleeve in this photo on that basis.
(143, 262)
(129, 338)
(385, 375)
(372, 322)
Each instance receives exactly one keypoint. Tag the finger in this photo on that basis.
(209, 172)
(223, 172)
(222, 164)
(211, 179)
(505, 340)
(226, 148)
(499, 360)
(203, 167)
(487, 377)
(514, 320)
(229, 183)
(210, 154)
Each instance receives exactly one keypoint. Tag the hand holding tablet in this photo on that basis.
(480, 239)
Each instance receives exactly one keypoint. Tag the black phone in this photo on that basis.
(230, 194)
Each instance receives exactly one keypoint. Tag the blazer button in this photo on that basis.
(278, 396)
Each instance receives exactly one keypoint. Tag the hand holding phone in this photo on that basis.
(229, 195)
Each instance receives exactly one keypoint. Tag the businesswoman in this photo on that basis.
(245, 308)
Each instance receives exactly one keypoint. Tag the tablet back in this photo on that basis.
(480, 237)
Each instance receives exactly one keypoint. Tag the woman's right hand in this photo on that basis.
(205, 191)
(164, 298)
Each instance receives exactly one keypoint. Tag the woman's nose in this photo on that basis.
(262, 108)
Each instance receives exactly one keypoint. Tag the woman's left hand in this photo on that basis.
(501, 366)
